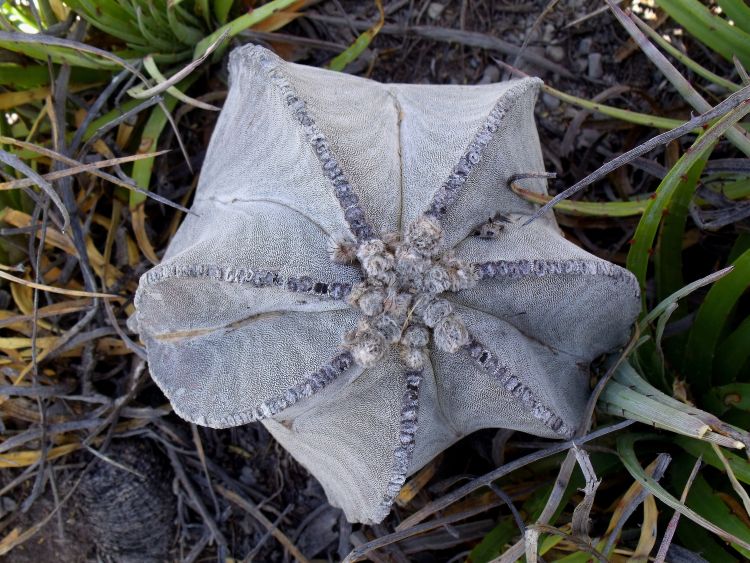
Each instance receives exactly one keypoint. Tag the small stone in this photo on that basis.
(584, 46)
(550, 101)
(490, 76)
(595, 66)
(555, 52)
(549, 33)
(435, 10)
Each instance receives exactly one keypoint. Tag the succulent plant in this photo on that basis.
(356, 274)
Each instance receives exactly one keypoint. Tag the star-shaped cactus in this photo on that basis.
(356, 276)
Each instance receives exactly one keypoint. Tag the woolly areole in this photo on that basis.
(356, 276)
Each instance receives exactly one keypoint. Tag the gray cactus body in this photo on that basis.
(332, 283)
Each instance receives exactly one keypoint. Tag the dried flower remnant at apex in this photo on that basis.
(399, 300)
(362, 285)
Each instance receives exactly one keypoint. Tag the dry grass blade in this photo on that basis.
(16, 163)
(733, 101)
(672, 526)
(627, 455)
(462, 37)
(96, 172)
(632, 499)
(47, 40)
(366, 549)
(96, 107)
(60, 290)
(657, 311)
(582, 512)
(649, 531)
(741, 70)
(579, 543)
(164, 84)
(57, 174)
(51, 41)
(684, 59)
(153, 70)
(253, 510)
(738, 488)
(690, 94)
(514, 552)
(494, 475)
(111, 124)
(196, 501)
(531, 543)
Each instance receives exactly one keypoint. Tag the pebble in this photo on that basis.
(491, 75)
(549, 33)
(555, 52)
(585, 45)
(435, 10)
(550, 101)
(595, 65)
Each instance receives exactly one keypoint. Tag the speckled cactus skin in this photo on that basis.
(356, 276)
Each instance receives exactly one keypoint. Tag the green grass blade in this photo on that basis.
(736, 190)
(668, 255)
(493, 543)
(737, 535)
(57, 54)
(157, 120)
(221, 10)
(734, 352)
(657, 311)
(734, 395)
(151, 68)
(739, 464)
(156, 42)
(617, 113)
(31, 76)
(242, 23)
(737, 11)
(203, 9)
(704, 500)
(737, 136)
(352, 53)
(685, 60)
(681, 178)
(696, 539)
(142, 169)
(110, 17)
(185, 34)
(586, 208)
(712, 30)
(710, 323)
(677, 178)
